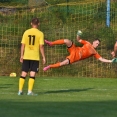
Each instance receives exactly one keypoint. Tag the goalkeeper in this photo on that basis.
(77, 53)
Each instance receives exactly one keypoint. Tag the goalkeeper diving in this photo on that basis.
(77, 53)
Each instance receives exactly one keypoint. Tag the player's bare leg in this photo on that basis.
(65, 62)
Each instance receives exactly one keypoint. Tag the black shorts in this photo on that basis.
(30, 65)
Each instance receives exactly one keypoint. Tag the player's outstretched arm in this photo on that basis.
(105, 60)
(114, 60)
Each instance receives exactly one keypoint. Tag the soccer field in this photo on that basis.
(60, 97)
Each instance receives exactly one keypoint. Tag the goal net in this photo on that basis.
(58, 20)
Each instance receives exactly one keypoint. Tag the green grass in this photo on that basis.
(60, 97)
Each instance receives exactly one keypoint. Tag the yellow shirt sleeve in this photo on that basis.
(41, 39)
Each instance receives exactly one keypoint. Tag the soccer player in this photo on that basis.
(32, 45)
(76, 53)
(114, 53)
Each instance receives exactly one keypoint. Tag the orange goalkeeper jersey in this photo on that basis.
(79, 53)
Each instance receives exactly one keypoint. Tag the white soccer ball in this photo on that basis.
(79, 32)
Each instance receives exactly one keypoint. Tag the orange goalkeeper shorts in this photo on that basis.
(75, 54)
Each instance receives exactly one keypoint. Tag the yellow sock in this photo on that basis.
(30, 84)
(21, 84)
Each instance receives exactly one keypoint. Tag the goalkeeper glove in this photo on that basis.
(79, 33)
(114, 60)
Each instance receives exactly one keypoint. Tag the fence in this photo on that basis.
(59, 19)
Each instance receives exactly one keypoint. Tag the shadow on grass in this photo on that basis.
(11, 108)
(68, 90)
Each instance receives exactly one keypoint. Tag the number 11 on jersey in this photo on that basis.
(31, 39)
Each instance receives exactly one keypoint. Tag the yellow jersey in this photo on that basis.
(32, 38)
